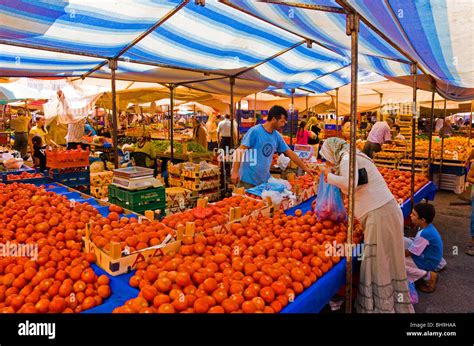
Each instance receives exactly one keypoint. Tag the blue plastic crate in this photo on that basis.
(71, 178)
(23, 168)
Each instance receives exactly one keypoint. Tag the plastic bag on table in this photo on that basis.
(280, 181)
(329, 203)
(283, 162)
(276, 197)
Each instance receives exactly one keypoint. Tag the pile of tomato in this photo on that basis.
(399, 182)
(55, 276)
(257, 267)
(24, 175)
(215, 214)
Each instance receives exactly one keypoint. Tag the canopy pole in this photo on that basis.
(337, 112)
(194, 109)
(232, 115)
(413, 138)
(470, 124)
(113, 68)
(172, 87)
(255, 109)
(307, 111)
(352, 29)
(292, 112)
(380, 106)
(430, 159)
(442, 133)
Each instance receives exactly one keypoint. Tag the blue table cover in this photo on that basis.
(312, 300)
(427, 192)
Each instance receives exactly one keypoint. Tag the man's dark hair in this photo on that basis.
(425, 211)
(227, 116)
(276, 112)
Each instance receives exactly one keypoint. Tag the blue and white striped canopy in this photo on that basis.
(174, 41)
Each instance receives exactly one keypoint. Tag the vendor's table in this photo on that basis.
(427, 192)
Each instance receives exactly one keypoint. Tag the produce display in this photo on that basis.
(24, 175)
(59, 278)
(302, 182)
(213, 215)
(258, 267)
(164, 146)
(399, 182)
(128, 232)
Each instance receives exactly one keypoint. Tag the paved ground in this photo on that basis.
(455, 290)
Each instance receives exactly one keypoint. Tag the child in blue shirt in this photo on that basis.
(424, 253)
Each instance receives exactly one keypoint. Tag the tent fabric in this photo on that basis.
(434, 33)
(222, 40)
(10, 92)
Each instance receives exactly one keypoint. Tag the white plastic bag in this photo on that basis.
(283, 162)
(286, 183)
(276, 197)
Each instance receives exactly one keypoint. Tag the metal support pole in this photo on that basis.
(239, 108)
(413, 138)
(255, 109)
(172, 88)
(380, 107)
(113, 68)
(442, 133)
(337, 112)
(307, 112)
(232, 111)
(292, 112)
(430, 159)
(352, 28)
(470, 124)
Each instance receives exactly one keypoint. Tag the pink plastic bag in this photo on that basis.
(329, 203)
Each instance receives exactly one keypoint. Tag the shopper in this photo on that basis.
(145, 146)
(75, 131)
(346, 129)
(312, 126)
(254, 156)
(211, 127)
(424, 253)
(303, 135)
(40, 130)
(379, 135)
(470, 179)
(20, 124)
(224, 133)
(39, 153)
(199, 132)
(439, 124)
(89, 130)
(383, 285)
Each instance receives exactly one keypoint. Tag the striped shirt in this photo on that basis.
(75, 131)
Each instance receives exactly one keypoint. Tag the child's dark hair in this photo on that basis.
(36, 140)
(397, 128)
(425, 211)
(277, 112)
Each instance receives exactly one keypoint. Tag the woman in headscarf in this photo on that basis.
(383, 283)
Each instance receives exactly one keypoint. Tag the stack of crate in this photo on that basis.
(139, 200)
(100, 182)
(405, 123)
(70, 168)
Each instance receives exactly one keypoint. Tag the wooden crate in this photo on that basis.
(450, 182)
(200, 185)
(115, 263)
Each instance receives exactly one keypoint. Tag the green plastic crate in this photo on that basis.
(137, 198)
(141, 208)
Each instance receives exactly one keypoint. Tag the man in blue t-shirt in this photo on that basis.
(424, 254)
(254, 157)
